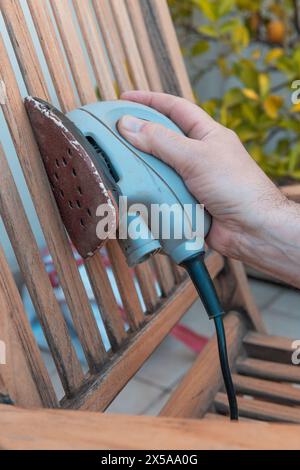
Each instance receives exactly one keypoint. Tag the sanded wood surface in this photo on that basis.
(58, 429)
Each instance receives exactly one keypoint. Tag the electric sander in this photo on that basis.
(105, 187)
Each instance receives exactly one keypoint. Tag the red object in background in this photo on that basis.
(182, 333)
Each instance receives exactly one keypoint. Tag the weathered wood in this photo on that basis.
(143, 42)
(260, 410)
(269, 348)
(285, 394)
(268, 370)
(195, 393)
(24, 374)
(96, 51)
(37, 280)
(145, 277)
(36, 178)
(59, 429)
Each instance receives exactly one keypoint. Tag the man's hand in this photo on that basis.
(214, 165)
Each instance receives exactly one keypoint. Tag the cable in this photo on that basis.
(199, 274)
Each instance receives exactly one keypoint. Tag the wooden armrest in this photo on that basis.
(62, 429)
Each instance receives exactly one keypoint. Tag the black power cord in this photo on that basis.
(199, 274)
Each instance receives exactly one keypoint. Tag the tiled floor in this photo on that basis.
(149, 390)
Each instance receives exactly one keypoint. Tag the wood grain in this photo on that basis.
(269, 348)
(268, 370)
(58, 429)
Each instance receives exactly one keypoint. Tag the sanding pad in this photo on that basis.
(78, 181)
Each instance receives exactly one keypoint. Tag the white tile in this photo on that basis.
(265, 293)
(197, 319)
(288, 303)
(281, 325)
(135, 398)
(155, 408)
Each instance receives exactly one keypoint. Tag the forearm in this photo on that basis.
(275, 249)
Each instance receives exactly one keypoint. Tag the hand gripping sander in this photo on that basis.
(90, 164)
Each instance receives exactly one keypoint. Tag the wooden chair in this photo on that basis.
(101, 49)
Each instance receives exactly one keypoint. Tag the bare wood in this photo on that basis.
(46, 208)
(145, 277)
(39, 429)
(143, 42)
(292, 192)
(74, 52)
(96, 51)
(164, 273)
(24, 374)
(261, 410)
(195, 393)
(268, 370)
(103, 389)
(51, 48)
(37, 280)
(269, 348)
(106, 300)
(266, 389)
(130, 46)
(113, 44)
(244, 295)
(23, 45)
(126, 286)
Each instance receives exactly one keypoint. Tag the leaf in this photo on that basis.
(295, 108)
(232, 97)
(272, 104)
(208, 8)
(246, 134)
(208, 30)
(200, 48)
(240, 36)
(224, 7)
(264, 84)
(294, 159)
(251, 94)
(273, 55)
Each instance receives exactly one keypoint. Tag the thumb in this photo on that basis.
(174, 149)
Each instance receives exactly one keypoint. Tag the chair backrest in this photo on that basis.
(72, 53)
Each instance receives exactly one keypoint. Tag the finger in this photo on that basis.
(193, 120)
(174, 149)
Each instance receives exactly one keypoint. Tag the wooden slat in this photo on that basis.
(103, 389)
(145, 277)
(126, 286)
(53, 55)
(292, 192)
(106, 300)
(166, 48)
(268, 370)
(260, 410)
(195, 394)
(164, 273)
(74, 52)
(244, 295)
(113, 44)
(24, 374)
(59, 429)
(144, 45)
(36, 178)
(37, 280)
(95, 48)
(131, 51)
(269, 348)
(285, 394)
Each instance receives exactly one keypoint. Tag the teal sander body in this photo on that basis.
(88, 162)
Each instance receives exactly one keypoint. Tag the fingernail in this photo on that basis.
(132, 124)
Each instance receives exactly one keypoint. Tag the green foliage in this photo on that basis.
(256, 42)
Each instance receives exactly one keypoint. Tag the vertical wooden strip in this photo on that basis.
(113, 44)
(95, 48)
(34, 172)
(37, 280)
(74, 52)
(24, 373)
(126, 287)
(166, 48)
(130, 46)
(105, 298)
(144, 45)
(164, 274)
(145, 277)
(55, 61)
